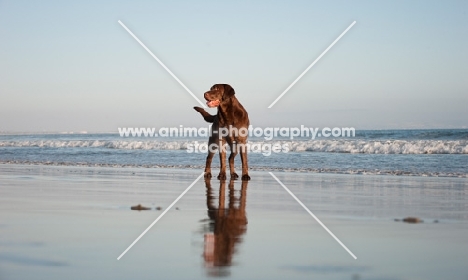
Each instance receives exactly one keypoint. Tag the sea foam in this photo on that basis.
(326, 146)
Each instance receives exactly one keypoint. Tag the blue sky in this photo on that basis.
(69, 66)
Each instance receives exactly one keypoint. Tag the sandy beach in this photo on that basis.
(73, 223)
(349, 117)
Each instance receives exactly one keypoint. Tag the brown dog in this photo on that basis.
(232, 117)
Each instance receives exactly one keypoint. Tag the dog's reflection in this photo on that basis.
(226, 225)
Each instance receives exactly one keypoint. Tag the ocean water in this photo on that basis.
(442, 153)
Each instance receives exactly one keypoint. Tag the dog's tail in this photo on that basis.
(208, 118)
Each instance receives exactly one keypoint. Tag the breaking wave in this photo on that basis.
(328, 146)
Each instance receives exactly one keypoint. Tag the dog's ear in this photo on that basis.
(228, 92)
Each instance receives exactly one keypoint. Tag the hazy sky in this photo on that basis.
(69, 65)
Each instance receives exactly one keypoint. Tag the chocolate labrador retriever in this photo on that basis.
(230, 125)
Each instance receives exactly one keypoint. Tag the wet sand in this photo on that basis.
(73, 223)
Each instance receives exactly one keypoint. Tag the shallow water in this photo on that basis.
(73, 222)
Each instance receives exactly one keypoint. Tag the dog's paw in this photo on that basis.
(207, 175)
(199, 109)
(222, 176)
(245, 177)
(234, 176)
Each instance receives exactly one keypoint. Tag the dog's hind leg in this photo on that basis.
(245, 166)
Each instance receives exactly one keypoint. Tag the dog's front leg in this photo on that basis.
(222, 160)
(233, 154)
(212, 146)
(209, 158)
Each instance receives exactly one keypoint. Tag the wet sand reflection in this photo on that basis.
(226, 226)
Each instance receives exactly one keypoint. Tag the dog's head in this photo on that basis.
(218, 94)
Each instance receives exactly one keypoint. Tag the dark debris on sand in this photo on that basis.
(410, 220)
(139, 207)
